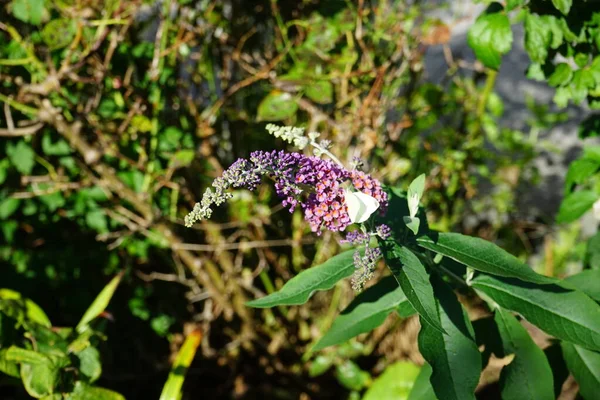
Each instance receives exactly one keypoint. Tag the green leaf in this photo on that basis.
(33, 311)
(30, 11)
(395, 383)
(366, 312)
(588, 282)
(592, 251)
(39, 379)
(59, 33)
(561, 75)
(591, 152)
(481, 255)
(490, 37)
(89, 363)
(422, 389)
(414, 194)
(96, 220)
(299, 289)
(83, 391)
(414, 281)
(320, 92)
(320, 365)
(24, 356)
(21, 156)
(538, 36)
(582, 81)
(182, 158)
(60, 148)
(8, 206)
(549, 307)
(454, 357)
(584, 364)
(563, 5)
(99, 304)
(412, 223)
(529, 375)
(172, 388)
(8, 367)
(277, 106)
(579, 171)
(351, 376)
(575, 205)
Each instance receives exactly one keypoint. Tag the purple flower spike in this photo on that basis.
(294, 174)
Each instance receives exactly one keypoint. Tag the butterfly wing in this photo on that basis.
(360, 206)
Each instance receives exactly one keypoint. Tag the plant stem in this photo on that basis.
(487, 90)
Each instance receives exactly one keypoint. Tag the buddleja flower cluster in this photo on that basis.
(314, 184)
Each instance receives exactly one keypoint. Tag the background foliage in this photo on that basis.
(117, 114)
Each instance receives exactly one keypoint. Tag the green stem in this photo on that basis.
(18, 106)
(487, 90)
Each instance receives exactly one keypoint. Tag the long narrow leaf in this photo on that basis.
(172, 388)
(299, 289)
(584, 364)
(529, 375)
(454, 357)
(481, 255)
(564, 313)
(100, 303)
(414, 281)
(366, 312)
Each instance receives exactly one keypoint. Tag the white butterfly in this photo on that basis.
(360, 205)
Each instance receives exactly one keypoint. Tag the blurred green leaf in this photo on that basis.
(592, 252)
(83, 391)
(320, 365)
(575, 205)
(587, 281)
(33, 312)
(422, 389)
(277, 106)
(58, 33)
(100, 303)
(563, 5)
(89, 363)
(30, 11)
(172, 388)
(96, 220)
(351, 376)
(181, 159)
(8, 206)
(395, 383)
(320, 91)
(538, 36)
(490, 37)
(21, 156)
(8, 367)
(561, 75)
(39, 379)
(22, 356)
(60, 148)
(301, 287)
(579, 171)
